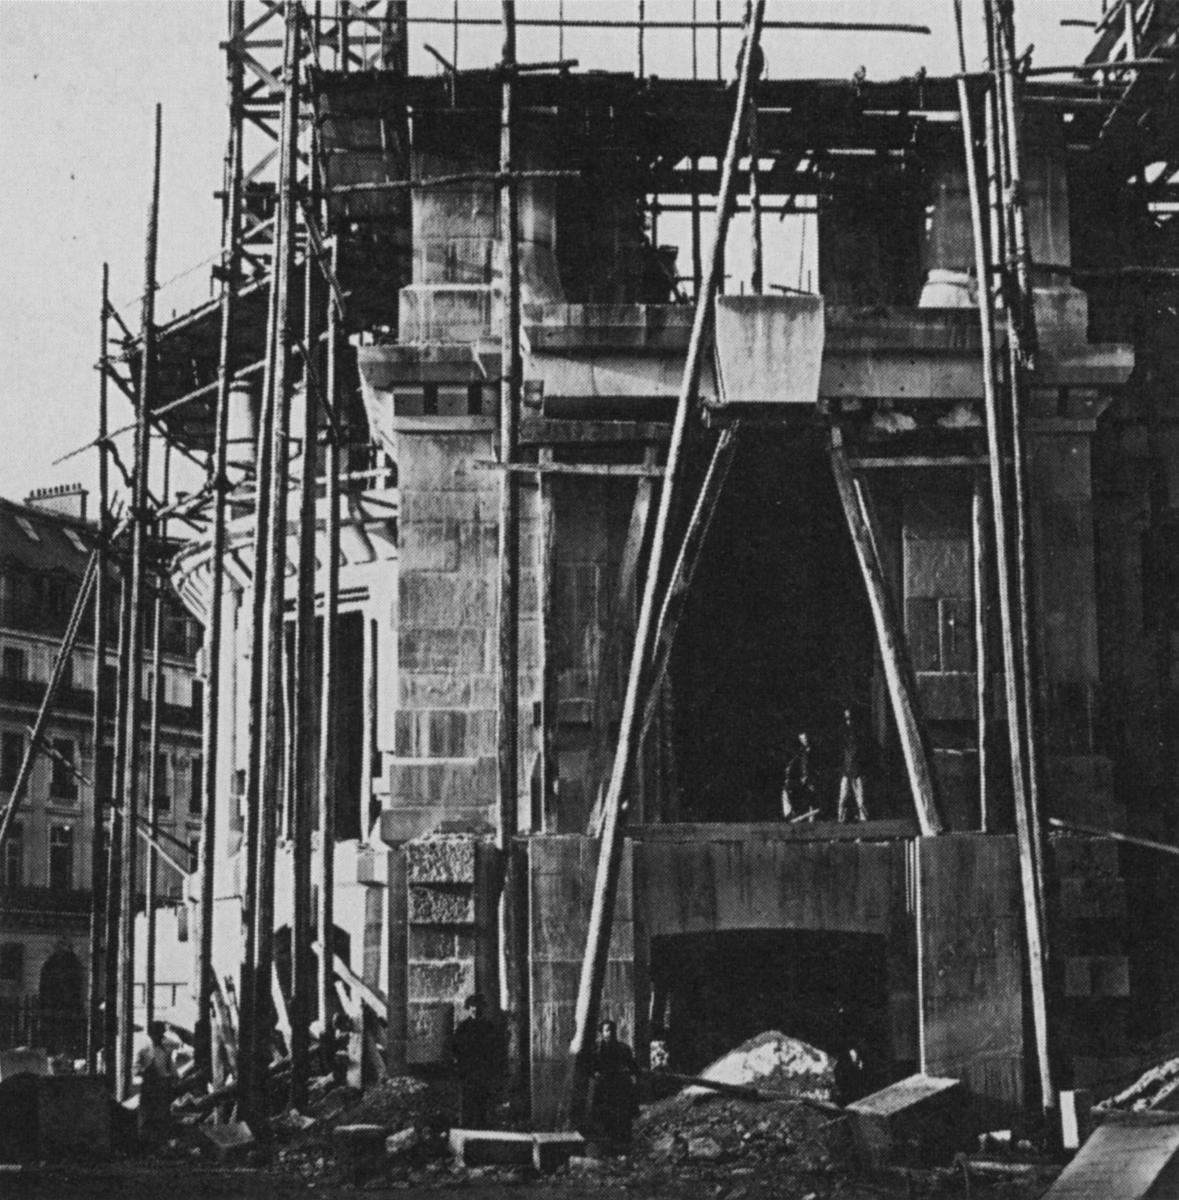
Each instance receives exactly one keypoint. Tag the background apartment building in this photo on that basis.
(45, 869)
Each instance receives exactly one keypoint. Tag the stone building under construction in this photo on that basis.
(946, 506)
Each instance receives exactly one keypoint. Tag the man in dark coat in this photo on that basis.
(798, 786)
(615, 1081)
(475, 1047)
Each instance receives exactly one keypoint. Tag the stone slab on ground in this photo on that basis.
(919, 1119)
(1132, 1157)
(503, 1148)
(228, 1143)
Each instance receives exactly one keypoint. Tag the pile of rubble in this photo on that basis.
(791, 1122)
(1157, 1090)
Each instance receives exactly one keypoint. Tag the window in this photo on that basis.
(14, 856)
(12, 962)
(198, 695)
(28, 530)
(12, 753)
(195, 772)
(63, 784)
(163, 796)
(61, 857)
(76, 541)
(16, 663)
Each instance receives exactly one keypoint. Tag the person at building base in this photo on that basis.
(852, 765)
(156, 1075)
(614, 1095)
(798, 784)
(475, 1047)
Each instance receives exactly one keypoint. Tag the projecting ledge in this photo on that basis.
(777, 831)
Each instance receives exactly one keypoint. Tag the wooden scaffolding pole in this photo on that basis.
(305, 755)
(593, 968)
(114, 867)
(230, 270)
(99, 799)
(511, 914)
(327, 707)
(141, 518)
(1033, 922)
(890, 640)
(270, 780)
(151, 884)
(980, 570)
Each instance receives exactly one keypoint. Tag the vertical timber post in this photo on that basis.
(139, 525)
(327, 708)
(1033, 916)
(230, 268)
(99, 799)
(509, 918)
(982, 650)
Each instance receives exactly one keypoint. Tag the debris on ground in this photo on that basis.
(774, 1062)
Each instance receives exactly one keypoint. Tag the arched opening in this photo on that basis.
(712, 991)
(60, 996)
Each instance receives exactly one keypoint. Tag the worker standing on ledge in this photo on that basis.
(798, 786)
(615, 1086)
(475, 1047)
(851, 767)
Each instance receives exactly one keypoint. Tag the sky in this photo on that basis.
(78, 83)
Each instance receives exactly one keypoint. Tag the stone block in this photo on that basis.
(1078, 977)
(1086, 856)
(426, 942)
(429, 1028)
(427, 546)
(359, 1149)
(1130, 1157)
(443, 783)
(452, 601)
(1110, 975)
(1089, 898)
(441, 859)
(227, 1143)
(917, 1120)
(451, 981)
(437, 905)
(436, 650)
(405, 822)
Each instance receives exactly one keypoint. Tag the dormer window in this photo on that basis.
(28, 529)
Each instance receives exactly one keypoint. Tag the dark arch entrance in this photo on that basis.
(713, 991)
(60, 995)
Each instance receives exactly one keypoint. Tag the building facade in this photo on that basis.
(45, 872)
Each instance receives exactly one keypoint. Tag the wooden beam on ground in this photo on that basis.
(893, 651)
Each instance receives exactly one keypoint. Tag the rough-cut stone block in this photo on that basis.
(429, 1028)
(1078, 978)
(1111, 975)
(442, 981)
(443, 783)
(441, 859)
(427, 546)
(1088, 898)
(917, 1119)
(431, 601)
(1084, 856)
(227, 1143)
(359, 1149)
(437, 905)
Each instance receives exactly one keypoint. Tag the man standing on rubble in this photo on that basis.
(475, 1047)
(851, 766)
(157, 1080)
(615, 1086)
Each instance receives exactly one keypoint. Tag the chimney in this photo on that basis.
(68, 499)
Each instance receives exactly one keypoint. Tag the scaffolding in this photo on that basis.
(289, 297)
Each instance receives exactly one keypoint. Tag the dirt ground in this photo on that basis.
(185, 1182)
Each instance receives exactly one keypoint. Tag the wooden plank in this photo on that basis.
(546, 554)
(365, 992)
(623, 470)
(893, 651)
